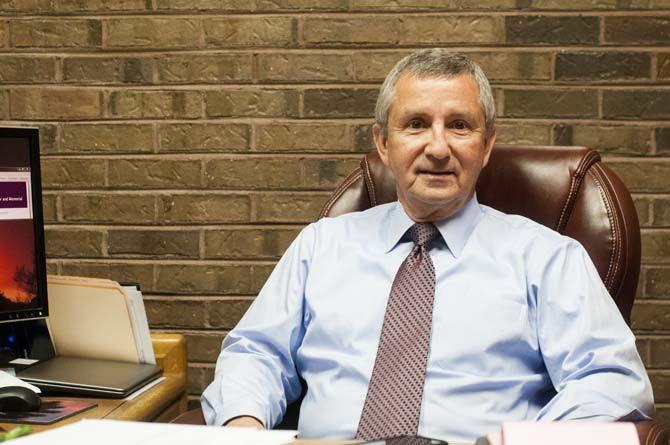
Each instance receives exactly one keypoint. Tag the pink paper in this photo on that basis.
(569, 433)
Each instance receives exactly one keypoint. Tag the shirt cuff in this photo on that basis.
(248, 408)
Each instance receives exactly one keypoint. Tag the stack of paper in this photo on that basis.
(138, 318)
(566, 432)
(116, 432)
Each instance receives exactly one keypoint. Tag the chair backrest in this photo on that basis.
(565, 188)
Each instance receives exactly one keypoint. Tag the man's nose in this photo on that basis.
(438, 146)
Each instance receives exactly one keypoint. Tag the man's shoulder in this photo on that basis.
(361, 220)
(522, 230)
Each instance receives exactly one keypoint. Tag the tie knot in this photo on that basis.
(423, 233)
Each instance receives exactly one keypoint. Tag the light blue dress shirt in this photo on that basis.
(523, 328)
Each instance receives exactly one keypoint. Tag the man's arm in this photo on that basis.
(256, 373)
(588, 349)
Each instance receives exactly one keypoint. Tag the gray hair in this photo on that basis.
(430, 63)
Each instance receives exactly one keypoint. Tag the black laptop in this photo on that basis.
(89, 377)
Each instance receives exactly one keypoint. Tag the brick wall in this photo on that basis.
(186, 142)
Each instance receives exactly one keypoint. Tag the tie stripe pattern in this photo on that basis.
(393, 403)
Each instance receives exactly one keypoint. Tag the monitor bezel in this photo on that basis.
(32, 135)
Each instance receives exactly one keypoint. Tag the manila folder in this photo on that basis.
(89, 318)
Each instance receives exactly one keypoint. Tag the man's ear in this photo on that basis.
(488, 144)
(380, 142)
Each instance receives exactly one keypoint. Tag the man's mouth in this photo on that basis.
(436, 172)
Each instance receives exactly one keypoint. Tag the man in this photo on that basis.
(434, 315)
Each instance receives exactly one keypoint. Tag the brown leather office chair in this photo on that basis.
(565, 188)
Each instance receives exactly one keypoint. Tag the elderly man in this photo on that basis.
(433, 315)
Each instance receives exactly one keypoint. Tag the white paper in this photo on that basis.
(138, 319)
(569, 432)
(117, 432)
(9, 380)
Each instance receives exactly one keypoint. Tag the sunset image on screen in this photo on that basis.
(18, 285)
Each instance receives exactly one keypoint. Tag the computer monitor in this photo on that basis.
(23, 287)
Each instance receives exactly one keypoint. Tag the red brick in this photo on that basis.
(108, 208)
(551, 103)
(205, 5)
(49, 212)
(175, 313)
(292, 67)
(4, 33)
(57, 33)
(199, 377)
(225, 313)
(153, 32)
(251, 31)
(660, 382)
(340, 102)
(252, 103)
(646, 30)
(210, 68)
(606, 139)
(204, 279)
(106, 138)
(31, 69)
(663, 66)
(660, 352)
(599, 66)
(163, 243)
(203, 137)
(298, 5)
(107, 70)
(655, 245)
(551, 30)
(4, 104)
(73, 173)
(657, 282)
(73, 242)
(102, 6)
(203, 347)
(403, 30)
(661, 209)
(298, 136)
(289, 208)
(117, 271)
(155, 104)
(523, 134)
(636, 105)
(55, 103)
(651, 316)
(243, 243)
(643, 176)
(203, 208)
(154, 173)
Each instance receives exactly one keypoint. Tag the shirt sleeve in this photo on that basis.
(256, 372)
(588, 349)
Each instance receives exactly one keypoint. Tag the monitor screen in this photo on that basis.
(23, 293)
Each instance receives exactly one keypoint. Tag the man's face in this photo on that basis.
(436, 144)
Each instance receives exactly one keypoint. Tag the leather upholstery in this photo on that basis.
(565, 188)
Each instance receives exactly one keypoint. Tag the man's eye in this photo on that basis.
(415, 124)
(460, 125)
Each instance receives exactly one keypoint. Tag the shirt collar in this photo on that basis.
(455, 230)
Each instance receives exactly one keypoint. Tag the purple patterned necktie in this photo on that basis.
(393, 403)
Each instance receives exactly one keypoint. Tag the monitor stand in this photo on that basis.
(24, 339)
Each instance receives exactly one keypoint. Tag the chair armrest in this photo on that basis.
(192, 417)
(652, 432)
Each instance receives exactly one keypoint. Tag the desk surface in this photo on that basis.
(160, 403)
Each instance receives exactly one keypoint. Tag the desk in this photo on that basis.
(161, 403)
